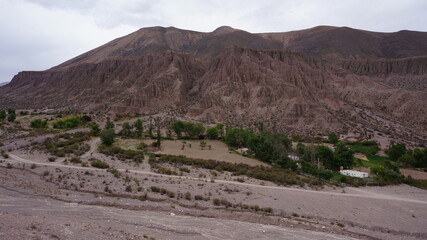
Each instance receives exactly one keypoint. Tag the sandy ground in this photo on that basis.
(386, 213)
(361, 156)
(69, 201)
(42, 218)
(414, 174)
(219, 151)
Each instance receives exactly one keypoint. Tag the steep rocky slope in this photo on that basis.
(333, 79)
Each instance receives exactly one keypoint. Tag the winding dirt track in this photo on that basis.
(362, 193)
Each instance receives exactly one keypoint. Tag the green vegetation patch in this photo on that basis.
(279, 176)
(67, 143)
(375, 161)
(366, 147)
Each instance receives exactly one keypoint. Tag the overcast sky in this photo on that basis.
(39, 34)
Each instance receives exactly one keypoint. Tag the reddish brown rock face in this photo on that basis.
(350, 83)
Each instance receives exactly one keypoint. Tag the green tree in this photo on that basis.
(326, 157)
(126, 130)
(395, 151)
(300, 149)
(11, 117)
(212, 133)
(406, 160)
(109, 124)
(11, 111)
(420, 158)
(94, 129)
(237, 137)
(2, 114)
(193, 130)
(138, 128)
(343, 156)
(333, 138)
(107, 136)
(178, 128)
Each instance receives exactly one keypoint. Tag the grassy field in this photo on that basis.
(129, 144)
(374, 161)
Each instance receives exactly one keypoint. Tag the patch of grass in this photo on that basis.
(67, 143)
(375, 161)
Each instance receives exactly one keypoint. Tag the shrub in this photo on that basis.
(184, 169)
(116, 173)
(187, 196)
(38, 123)
(216, 201)
(128, 188)
(99, 164)
(170, 194)
(198, 197)
(155, 189)
(71, 122)
(52, 159)
(75, 160)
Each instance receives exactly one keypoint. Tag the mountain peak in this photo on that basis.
(224, 30)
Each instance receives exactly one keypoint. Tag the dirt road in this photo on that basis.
(357, 193)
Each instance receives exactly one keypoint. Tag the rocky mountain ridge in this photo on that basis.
(309, 82)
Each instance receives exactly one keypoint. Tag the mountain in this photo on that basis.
(3, 83)
(309, 82)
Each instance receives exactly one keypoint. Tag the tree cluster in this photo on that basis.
(188, 130)
(135, 130)
(9, 114)
(330, 159)
(407, 157)
(266, 146)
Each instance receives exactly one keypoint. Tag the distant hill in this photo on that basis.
(310, 82)
(3, 83)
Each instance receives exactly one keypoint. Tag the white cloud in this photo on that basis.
(39, 34)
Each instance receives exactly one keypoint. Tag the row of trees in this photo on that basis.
(407, 157)
(67, 123)
(135, 130)
(193, 130)
(265, 146)
(330, 159)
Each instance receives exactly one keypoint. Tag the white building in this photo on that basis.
(353, 173)
(293, 157)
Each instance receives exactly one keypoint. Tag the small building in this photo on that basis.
(293, 157)
(354, 173)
